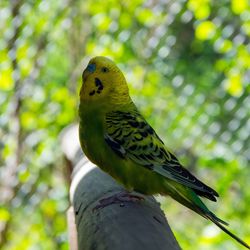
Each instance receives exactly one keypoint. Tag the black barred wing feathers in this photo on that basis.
(129, 135)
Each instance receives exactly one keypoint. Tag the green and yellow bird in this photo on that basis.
(116, 137)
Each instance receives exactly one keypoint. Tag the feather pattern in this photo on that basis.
(129, 135)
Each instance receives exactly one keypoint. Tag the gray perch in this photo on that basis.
(125, 226)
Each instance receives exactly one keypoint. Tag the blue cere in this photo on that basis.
(91, 68)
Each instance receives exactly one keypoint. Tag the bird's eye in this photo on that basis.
(104, 69)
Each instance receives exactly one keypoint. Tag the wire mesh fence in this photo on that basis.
(188, 68)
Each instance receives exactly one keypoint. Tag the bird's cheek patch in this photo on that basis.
(91, 68)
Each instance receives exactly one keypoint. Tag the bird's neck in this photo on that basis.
(96, 111)
(104, 106)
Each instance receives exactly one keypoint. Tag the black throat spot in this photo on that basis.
(99, 85)
(92, 92)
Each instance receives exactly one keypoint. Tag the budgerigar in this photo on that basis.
(116, 137)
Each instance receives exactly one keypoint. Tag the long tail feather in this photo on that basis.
(190, 199)
(218, 222)
(213, 218)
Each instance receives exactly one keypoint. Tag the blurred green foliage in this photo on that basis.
(188, 66)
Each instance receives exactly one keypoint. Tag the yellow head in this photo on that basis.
(103, 82)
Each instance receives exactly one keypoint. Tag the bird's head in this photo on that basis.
(103, 81)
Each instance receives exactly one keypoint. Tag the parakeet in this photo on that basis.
(115, 136)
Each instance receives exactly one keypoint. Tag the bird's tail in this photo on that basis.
(190, 199)
(218, 222)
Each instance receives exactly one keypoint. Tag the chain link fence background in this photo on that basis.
(188, 68)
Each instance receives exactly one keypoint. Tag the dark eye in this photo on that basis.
(104, 69)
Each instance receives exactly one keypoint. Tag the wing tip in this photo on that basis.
(210, 196)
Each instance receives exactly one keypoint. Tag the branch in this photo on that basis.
(129, 225)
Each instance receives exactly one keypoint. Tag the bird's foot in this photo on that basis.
(120, 197)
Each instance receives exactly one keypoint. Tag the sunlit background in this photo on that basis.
(188, 68)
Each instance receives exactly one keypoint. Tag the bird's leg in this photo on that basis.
(121, 197)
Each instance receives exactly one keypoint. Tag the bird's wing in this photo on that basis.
(130, 136)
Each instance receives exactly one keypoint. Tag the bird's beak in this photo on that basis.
(89, 70)
(85, 75)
